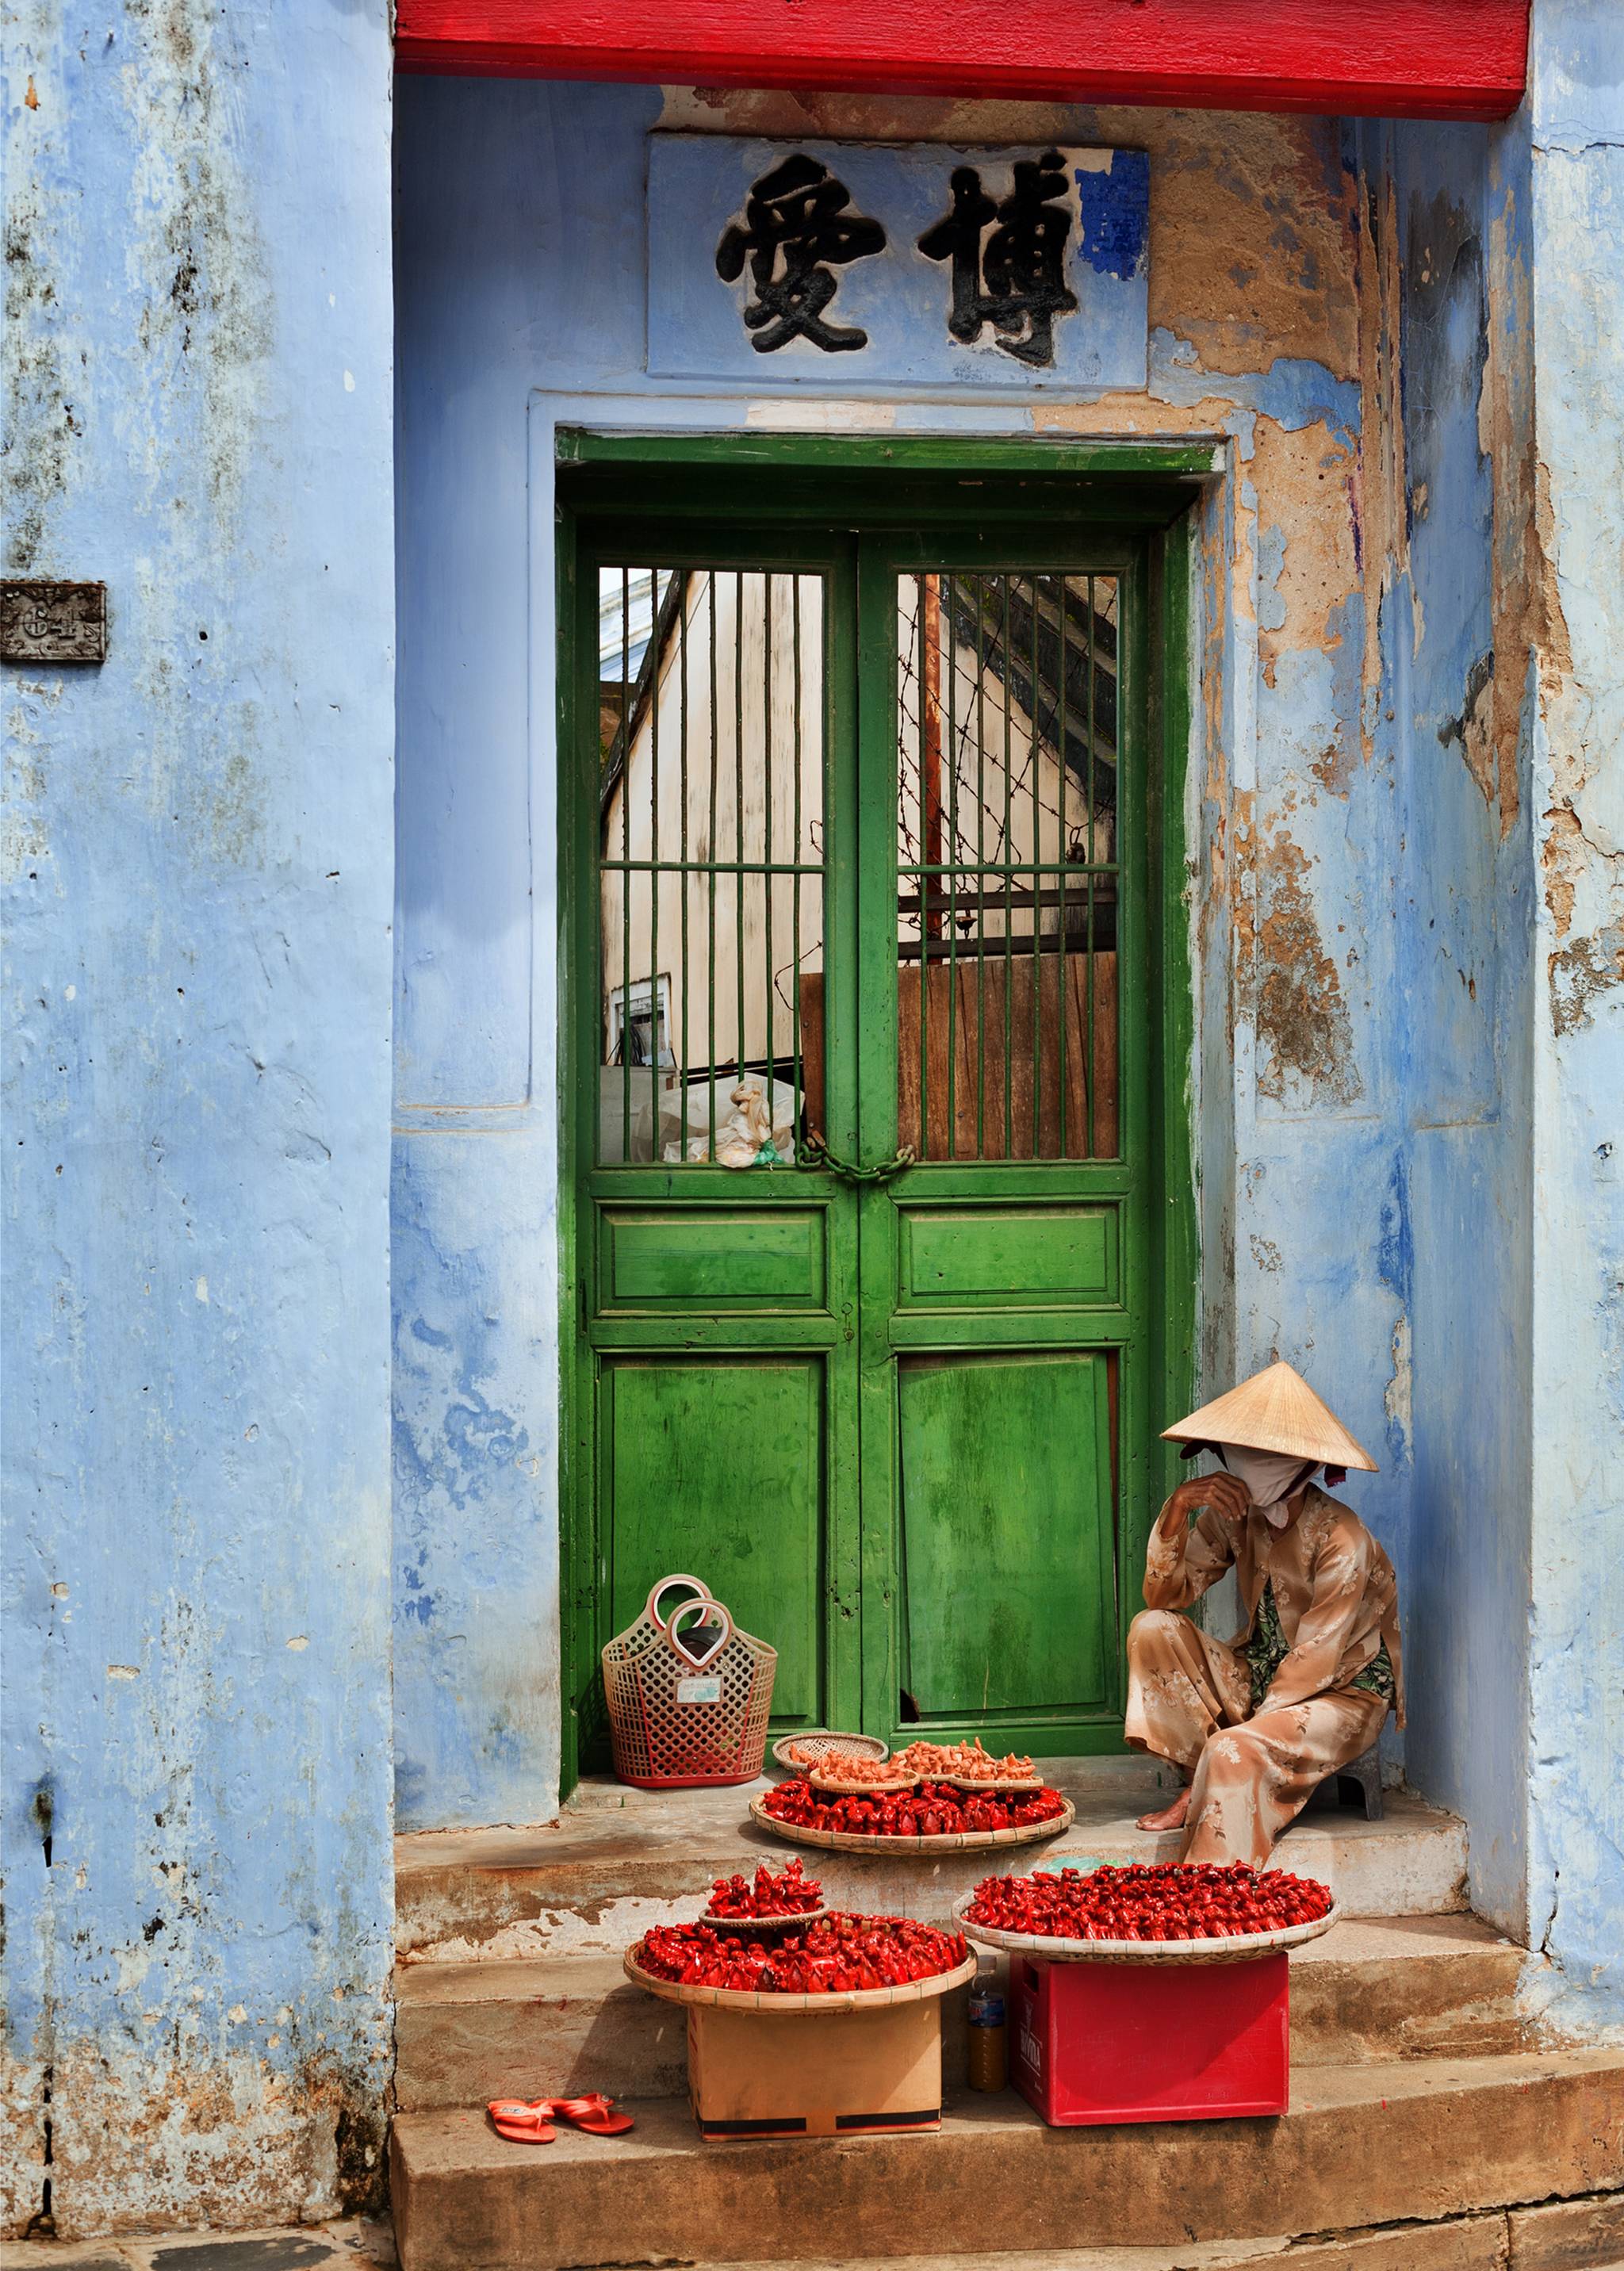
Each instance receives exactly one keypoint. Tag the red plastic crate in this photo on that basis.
(1150, 2042)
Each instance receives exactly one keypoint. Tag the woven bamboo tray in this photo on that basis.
(984, 1789)
(763, 1927)
(961, 1841)
(1141, 1951)
(860, 1789)
(861, 1998)
(819, 1739)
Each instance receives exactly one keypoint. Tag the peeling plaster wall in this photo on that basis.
(1575, 116)
(198, 876)
(1274, 310)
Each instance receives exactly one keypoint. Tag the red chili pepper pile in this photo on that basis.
(789, 1894)
(836, 1956)
(933, 1810)
(1201, 1902)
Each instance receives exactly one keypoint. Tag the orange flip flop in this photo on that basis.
(595, 2114)
(524, 2121)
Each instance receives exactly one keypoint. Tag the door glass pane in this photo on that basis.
(711, 850)
(1007, 866)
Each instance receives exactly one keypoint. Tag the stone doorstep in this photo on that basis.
(1419, 2139)
(1580, 2235)
(465, 2033)
(618, 1860)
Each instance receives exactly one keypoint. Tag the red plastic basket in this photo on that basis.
(682, 1715)
(1150, 2042)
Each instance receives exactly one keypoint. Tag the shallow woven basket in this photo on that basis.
(860, 1789)
(763, 1927)
(1024, 1787)
(821, 1739)
(861, 1998)
(1233, 1950)
(962, 1840)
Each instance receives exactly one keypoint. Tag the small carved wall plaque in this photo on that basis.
(52, 622)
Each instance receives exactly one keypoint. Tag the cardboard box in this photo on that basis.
(766, 2074)
(1148, 2042)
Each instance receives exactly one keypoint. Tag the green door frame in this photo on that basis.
(1029, 501)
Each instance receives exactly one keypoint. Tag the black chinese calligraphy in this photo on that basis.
(1017, 282)
(796, 232)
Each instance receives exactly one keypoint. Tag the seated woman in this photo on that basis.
(1307, 1682)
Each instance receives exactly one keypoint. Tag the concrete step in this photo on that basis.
(1576, 2234)
(1374, 2142)
(1409, 1987)
(617, 1860)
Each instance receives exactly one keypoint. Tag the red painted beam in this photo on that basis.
(1394, 59)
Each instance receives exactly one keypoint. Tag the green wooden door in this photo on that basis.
(865, 838)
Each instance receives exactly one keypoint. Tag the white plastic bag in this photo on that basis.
(763, 1112)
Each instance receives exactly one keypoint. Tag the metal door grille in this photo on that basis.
(1007, 866)
(711, 874)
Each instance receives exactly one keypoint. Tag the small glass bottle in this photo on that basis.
(989, 2055)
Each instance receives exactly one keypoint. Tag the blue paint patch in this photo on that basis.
(1113, 214)
(1292, 391)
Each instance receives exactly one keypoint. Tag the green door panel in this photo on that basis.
(1006, 1530)
(1002, 1257)
(717, 1468)
(713, 1257)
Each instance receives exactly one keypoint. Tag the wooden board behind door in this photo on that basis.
(978, 1012)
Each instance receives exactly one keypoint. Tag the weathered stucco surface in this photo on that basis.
(1576, 1660)
(196, 1780)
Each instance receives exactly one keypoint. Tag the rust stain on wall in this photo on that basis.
(1476, 729)
(1563, 856)
(143, 2138)
(1304, 1032)
(1520, 598)
(1382, 535)
(1251, 245)
(1581, 973)
(1306, 473)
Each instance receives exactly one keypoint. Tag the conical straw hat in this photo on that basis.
(1274, 1411)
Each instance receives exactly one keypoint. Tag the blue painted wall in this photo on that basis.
(1456, 664)
(197, 1779)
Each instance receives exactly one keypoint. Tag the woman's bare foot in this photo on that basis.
(1171, 1817)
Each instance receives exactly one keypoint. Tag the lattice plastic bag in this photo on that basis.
(689, 1692)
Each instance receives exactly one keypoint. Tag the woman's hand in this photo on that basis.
(1226, 1494)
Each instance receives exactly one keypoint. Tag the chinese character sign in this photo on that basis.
(797, 230)
(1013, 278)
(853, 264)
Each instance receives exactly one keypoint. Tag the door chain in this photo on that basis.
(820, 1156)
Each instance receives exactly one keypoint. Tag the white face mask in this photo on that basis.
(1271, 1478)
